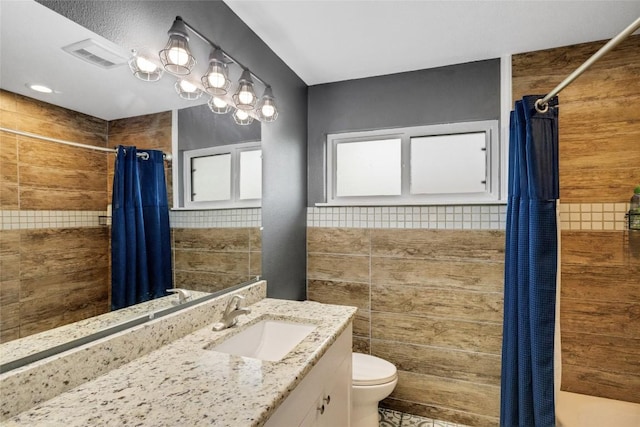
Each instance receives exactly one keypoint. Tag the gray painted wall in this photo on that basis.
(464, 92)
(143, 23)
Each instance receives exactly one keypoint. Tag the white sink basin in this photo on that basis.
(268, 339)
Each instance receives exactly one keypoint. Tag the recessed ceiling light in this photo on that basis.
(40, 88)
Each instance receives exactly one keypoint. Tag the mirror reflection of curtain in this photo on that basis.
(140, 235)
(530, 267)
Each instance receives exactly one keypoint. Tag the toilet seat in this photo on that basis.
(370, 370)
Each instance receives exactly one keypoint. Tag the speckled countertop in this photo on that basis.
(31, 344)
(183, 384)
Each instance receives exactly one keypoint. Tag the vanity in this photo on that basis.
(195, 380)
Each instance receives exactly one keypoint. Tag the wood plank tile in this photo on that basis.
(10, 318)
(32, 198)
(255, 263)
(214, 262)
(150, 139)
(455, 245)
(9, 267)
(340, 293)
(9, 198)
(604, 248)
(596, 282)
(439, 413)
(360, 344)
(9, 292)
(53, 240)
(446, 333)
(56, 285)
(353, 241)
(9, 334)
(140, 123)
(473, 276)
(60, 130)
(458, 395)
(8, 101)
(598, 317)
(586, 380)
(601, 353)
(255, 239)
(62, 179)
(41, 264)
(362, 323)
(9, 242)
(353, 268)
(212, 239)
(50, 155)
(206, 281)
(453, 304)
(475, 367)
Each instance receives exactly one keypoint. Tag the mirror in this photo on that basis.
(55, 257)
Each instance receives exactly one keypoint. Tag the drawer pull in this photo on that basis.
(327, 399)
(321, 409)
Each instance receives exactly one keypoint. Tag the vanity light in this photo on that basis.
(187, 90)
(144, 68)
(245, 96)
(176, 56)
(241, 117)
(219, 105)
(266, 108)
(216, 79)
(177, 59)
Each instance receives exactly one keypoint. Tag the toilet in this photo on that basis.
(373, 379)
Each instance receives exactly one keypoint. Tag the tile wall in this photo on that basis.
(429, 293)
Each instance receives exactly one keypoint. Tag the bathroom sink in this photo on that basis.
(268, 339)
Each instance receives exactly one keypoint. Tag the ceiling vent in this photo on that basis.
(96, 53)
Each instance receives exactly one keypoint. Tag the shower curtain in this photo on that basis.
(140, 240)
(527, 389)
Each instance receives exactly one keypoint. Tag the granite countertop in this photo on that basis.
(183, 384)
(23, 347)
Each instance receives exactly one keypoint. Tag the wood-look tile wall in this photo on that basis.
(211, 259)
(430, 301)
(599, 130)
(50, 277)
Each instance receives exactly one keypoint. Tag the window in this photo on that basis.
(227, 176)
(439, 164)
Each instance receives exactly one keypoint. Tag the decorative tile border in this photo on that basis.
(472, 217)
(21, 220)
(227, 218)
(391, 418)
(593, 216)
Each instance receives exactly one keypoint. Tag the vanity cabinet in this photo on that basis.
(323, 397)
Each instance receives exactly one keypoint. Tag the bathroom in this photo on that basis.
(455, 379)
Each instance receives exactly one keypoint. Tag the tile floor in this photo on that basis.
(389, 418)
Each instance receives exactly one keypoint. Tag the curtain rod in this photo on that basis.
(542, 104)
(167, 156)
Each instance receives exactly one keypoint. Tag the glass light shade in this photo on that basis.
(218, 105)
(241, 117)
(187, 90)
(266, 108)
(176, 56)
(216, 79)
(144, 68)
(245, 96)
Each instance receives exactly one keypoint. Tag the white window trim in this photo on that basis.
(495, 155)
(235, 202)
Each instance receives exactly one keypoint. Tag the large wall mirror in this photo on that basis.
(55, 239)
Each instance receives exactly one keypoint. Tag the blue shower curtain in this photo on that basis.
(527, 392)
(140, 239)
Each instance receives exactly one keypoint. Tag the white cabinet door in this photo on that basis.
(336, 398)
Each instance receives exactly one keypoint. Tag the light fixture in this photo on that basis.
(241, 117)
(266, 108)
(216, 79)
(187, 90)
(219, 105)
(176, 56)
(144, 68)
(177, 59)
(245, 96)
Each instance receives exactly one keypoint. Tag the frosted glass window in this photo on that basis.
(211, 178)
(369, 168)
(449, 164)
(250, 174)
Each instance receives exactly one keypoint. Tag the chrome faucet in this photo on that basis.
(231, 313)
(183, 294)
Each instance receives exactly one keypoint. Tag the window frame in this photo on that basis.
(495, 152)
(234, 150)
